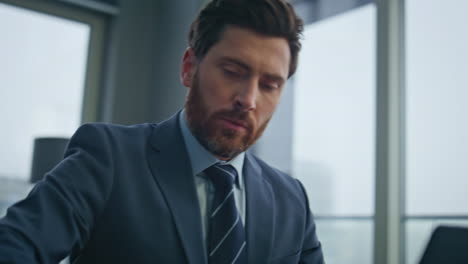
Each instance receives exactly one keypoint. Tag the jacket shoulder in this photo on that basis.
(115, 128)
(116, 138)
(114, 131)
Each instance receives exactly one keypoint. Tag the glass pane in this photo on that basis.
(418, 233)
(346, 241)
(437, 130)
(334, 114)
(42, 74)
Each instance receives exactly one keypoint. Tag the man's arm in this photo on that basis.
(311, 247)
(60, 211)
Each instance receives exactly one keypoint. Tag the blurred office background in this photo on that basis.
(373, 123)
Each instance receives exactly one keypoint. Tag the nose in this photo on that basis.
(246, 97)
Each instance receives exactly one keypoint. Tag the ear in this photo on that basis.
(188, 69)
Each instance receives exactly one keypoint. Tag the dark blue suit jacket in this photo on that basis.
(126, 194)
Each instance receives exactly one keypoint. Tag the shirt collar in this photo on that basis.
(200, 158)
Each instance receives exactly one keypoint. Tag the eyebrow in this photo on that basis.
(275, 78)
(236, 61)
(269, 76)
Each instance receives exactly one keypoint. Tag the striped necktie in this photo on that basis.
(227, 242)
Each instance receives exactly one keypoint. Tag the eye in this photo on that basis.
(231, 73)
(269, 86)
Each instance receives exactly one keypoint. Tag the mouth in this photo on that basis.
(234, 124)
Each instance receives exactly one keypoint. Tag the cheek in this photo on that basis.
(215, 90)
(216, 99)
(267, 105)
(264, 113)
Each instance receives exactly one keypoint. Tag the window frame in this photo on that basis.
(97, 18)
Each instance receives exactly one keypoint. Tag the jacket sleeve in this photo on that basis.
(57, 215)
(311, 247)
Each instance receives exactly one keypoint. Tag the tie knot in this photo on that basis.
(222, 175)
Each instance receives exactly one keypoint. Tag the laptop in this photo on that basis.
(448, 245)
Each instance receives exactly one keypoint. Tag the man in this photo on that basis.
(185, 190)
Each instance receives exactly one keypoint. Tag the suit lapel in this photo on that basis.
(172, 171)
(260, 212)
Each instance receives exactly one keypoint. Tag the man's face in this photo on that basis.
(234, 89)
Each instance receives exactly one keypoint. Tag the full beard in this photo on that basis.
(223, 142)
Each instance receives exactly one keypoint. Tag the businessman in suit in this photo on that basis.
(185, 190)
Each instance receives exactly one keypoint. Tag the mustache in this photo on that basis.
(240, 117)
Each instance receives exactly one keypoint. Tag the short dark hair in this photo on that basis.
(268, 17)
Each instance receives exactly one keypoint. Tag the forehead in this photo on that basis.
(263, 53)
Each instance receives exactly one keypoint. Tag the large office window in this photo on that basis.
(333, 140)
(50, 74)
(42, 82)
(437, 131)
(334, 131)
